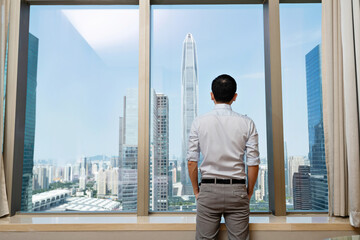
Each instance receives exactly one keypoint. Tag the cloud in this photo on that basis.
(109, 32)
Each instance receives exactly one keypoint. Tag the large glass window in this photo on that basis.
(190, 46)
(81, 125)
(305, 169)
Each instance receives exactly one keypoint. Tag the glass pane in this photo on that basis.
(80, 151)
(305, 169)
(213, 39)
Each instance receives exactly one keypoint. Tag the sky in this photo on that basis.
(88, 57)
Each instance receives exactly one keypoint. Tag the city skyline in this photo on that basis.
(90, 142)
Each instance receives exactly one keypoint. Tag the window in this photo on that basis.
(82, 104)
(186, 55)
(80, 150)
(305, 169)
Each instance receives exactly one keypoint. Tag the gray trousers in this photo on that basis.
(215, 200)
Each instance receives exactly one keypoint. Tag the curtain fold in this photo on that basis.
(341, 101)
(4, 30)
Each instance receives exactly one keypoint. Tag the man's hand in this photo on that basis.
(196, 195)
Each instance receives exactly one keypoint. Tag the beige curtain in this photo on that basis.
(4, 26)
(341, 101)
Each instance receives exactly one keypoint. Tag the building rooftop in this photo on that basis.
(87, 204)
(49, 194)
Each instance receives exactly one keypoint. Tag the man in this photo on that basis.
(224, 137)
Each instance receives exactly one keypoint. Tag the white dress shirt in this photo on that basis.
(223, 137)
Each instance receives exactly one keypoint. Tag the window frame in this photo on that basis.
(17, 82)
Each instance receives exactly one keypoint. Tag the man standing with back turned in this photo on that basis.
(223, 137)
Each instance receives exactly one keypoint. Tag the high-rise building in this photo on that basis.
(101, 183)
(68, 173)
(113, 181)
(43, 177)
(30, 118)
(129, 151)
(82, 178)
(86, 164)
(189, 96)
(129, 178)
(159, 155)
(121, 138)
(302, 189)
(35, 182)
(114, 162)
(318, 172)
(131, 117)
(294, 163)
(173, 170)
(263, 182)
(51, 174)
(94, 168)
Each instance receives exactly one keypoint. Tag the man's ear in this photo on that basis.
(234, 98)
(212, 96)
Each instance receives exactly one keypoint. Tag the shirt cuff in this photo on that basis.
(252, 161)
(192, 156)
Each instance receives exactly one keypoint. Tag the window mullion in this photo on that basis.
(144, 98)
(274, 115)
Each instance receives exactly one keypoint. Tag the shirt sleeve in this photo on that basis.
(252, 146)
(193, 151)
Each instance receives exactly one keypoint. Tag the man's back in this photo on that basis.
(224, 137)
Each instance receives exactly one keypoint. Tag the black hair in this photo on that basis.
(223, 88)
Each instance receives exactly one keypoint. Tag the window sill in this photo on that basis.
(159, 222)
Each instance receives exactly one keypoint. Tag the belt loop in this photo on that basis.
(215, 180)
(231, 181)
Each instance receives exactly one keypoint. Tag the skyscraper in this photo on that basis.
(42, 177)
(101, 183)
(82, 179)
(189, 94)
(129, 178)
(131, 116)
(30, 118)
(262, 182)
(294, 163)
(113, 177)
(121, 138)
(301, 188)
(68, 173)
(318, 180)
(129, 151)
(159, 155)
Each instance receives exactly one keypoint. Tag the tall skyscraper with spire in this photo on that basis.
(189, 94)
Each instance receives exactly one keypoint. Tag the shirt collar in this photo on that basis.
(222, 106)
